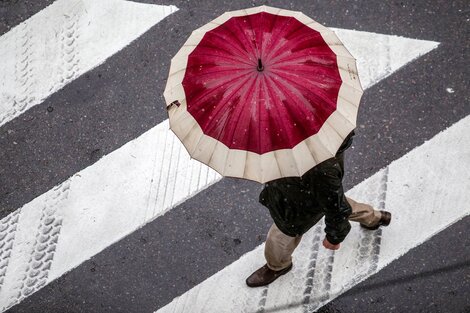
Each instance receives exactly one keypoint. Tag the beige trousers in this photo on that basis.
(279, 246)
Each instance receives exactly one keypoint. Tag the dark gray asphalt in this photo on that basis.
(434, 277)
(122, 98)
(13, 12)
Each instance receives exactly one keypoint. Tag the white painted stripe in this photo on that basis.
(378, 56)
(63, 41)
(109, 200)
(98, 206)
(425, 191)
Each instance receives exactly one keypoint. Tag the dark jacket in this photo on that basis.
(298, 203)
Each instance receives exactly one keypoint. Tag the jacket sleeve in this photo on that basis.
(335, 205)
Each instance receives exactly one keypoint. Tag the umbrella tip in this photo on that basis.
(260, 67)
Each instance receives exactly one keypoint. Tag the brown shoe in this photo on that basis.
(385, 219)
(264, 276)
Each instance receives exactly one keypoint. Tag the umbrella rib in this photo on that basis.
(259, 112)
(198, 141)
(238, 117)
(221, 105)
(225, 50)
(275, 107)
(221, 131)
(345, 118)
(247, 152)
(348, 101)
(312, 151)
(293, 56)
(216, 88)
(273, 24)
(316, 83)
(190, 131)
(275, 50)
(271, 52)
(187, 134)
(277, 163)
(242, 84)
(244, 168)
(333, 153)
(234, 58)
(288, 113)
(295, 91)
(258, 54)
(354, 87)
(241, 46)
(311, 33)
(288, 134)
(259, 127)
(205, 73)
(275, 70)
(322, 97)
(244, 35)
(335, 130)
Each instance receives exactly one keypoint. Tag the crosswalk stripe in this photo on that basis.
(367, 244)
(63, 41)
(99, 205)
(378, 55)
(423, 194)
(135, 184)
(7, 236)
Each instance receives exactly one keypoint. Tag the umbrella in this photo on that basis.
(262, 93)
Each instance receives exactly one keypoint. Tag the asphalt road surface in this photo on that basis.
(117, 99)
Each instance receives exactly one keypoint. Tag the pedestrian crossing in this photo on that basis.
(321, 275)
(150, 175)
(63, 41)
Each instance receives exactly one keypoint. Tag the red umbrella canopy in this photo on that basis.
(261, 82)
(262, 93)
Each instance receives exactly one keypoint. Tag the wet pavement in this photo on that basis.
(122, 98)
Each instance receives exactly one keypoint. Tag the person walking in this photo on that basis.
(270, 95)
(297, 203)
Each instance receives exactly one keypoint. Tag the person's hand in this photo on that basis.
(329, 245)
